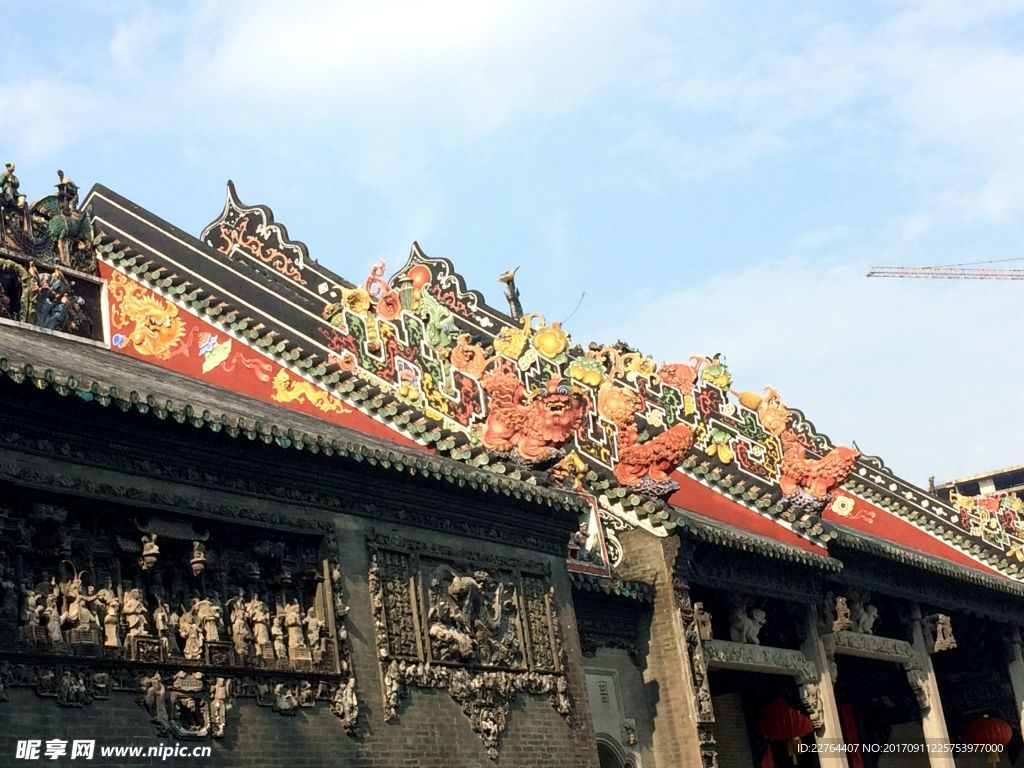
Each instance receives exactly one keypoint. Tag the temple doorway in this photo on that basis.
(748, 709)
(878, 707)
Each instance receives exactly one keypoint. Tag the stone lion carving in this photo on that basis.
(866, 620)
(745, 624)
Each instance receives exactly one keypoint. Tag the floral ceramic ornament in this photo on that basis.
(587, 370)
(551, 341)
(408, 389)
(633, 364)
(355, 300)
(511, 341)
(389, 305)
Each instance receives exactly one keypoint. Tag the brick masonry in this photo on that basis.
(666, 673)
(430, 730)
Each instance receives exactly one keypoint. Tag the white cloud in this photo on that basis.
(477, 64)
(934, 77)
(45, 115)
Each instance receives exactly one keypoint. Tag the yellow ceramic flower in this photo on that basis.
(551, 340)
(641, 365)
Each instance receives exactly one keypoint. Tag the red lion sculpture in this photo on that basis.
(816, 476)
(533, 427)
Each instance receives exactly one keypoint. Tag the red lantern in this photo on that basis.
(781, 721)
(991, 732)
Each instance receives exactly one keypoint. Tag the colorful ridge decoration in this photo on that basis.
(422, 359)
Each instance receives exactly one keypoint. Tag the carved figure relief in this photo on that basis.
(469, 619)
(841, 620)
(863, 615)
(918, 681)
(91, 590)
(810, 698)
(938, 633)
(54, 229)
(490, 632)
(703, 619)
(698, 669)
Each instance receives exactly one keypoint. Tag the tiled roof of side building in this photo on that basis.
(76, 367)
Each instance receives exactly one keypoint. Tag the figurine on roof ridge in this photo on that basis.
(515, 306)
(814, 477)
(54, 229)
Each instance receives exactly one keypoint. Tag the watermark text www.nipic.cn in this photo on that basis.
(86, 749)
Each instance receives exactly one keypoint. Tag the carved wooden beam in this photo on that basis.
(724, 654)
(868, 646)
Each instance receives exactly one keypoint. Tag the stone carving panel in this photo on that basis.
(189, 614)
(482, 628)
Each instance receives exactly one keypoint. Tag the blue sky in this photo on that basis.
(715, 176)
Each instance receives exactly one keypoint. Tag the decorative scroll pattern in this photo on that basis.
(252, 231)
(759, 658)
(481, 628)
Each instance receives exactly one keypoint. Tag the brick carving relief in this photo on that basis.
(482, 628)
(697, 630)
(189, 614)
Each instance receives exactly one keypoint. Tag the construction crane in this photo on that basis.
(948, 273)
(953, 271)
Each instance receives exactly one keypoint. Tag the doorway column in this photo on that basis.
(830, 734)
(1016, 669)
(933, 721)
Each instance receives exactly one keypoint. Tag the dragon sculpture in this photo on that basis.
(816, 477)
(155, 327)
(532, 427)
(651, 460)
(468, 618)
